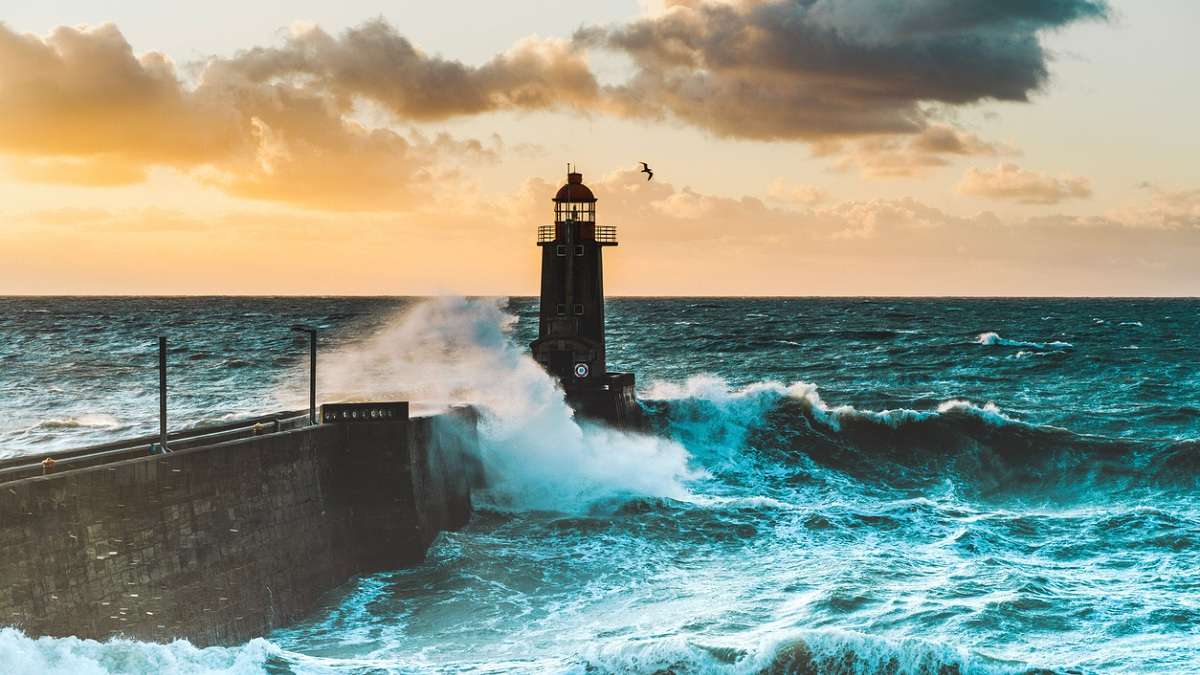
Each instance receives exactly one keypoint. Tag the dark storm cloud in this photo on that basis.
(817, 68)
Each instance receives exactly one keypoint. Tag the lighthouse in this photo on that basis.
(571, 344)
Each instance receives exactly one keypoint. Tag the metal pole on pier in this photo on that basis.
(312, 370)
(162, 394)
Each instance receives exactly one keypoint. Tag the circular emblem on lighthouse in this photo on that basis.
(582, 370)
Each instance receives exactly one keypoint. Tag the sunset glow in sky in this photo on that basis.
(801, 147)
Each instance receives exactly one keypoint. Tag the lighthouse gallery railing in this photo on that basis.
(604, 234)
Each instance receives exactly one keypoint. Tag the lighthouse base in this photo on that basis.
(611, 399)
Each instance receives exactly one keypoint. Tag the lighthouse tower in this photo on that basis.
(570, 344)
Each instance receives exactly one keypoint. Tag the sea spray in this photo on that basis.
(535, 454)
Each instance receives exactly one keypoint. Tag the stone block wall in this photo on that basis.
(223, 543)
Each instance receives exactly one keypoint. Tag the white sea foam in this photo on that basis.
(788, 650)
(737, 408)
(22, 655)
(85, 421)
(536, 455)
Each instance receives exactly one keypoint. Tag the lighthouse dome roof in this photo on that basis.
(574, 190)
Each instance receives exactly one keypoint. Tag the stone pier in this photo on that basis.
(222, 543)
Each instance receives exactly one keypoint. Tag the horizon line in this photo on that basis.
(381, 296)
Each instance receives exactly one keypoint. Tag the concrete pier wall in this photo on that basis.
(221, 544)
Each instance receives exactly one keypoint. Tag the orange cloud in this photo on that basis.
(83, 93)
(1011, 182)
(81, 108)
(1169, 209)
(91, 171)
(902, 157)
(804, 195)
(373, 61)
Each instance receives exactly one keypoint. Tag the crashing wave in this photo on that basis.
(753, 401)
(75, 656)
(985, 449)
(993, 339)
(794, 651)
(536, 455)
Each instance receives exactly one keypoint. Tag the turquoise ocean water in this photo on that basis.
(828, 485)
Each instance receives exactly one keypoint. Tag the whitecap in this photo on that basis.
(85, 421)
(993, 339)
(735, 409)
(771, 649)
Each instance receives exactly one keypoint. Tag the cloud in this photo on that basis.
(305, 155)
(1011, 182)
(81, 108)
(812, 69)
(941, 139)
(83, 93)
(375, 62)
(900, 157)
(133, 220)
(90, 171)
(894, 246)
(283, 122)
(67, 215)
(1166, 209)
(863, 246)
(854, 247)
(781, 190)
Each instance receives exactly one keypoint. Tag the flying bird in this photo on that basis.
(646, 170)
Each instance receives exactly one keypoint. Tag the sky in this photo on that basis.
(800, 147)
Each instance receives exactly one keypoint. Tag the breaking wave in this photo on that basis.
(754, 400)
(22, 655)
(991, 339)
(773, 651)
(989, 451)
(535, 454)
(792, 651)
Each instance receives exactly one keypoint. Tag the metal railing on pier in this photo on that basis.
(30, 465)
(40, 463)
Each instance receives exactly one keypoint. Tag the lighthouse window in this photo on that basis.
(579, 249)
(581, 212)
(562, 250)
(578, 309)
